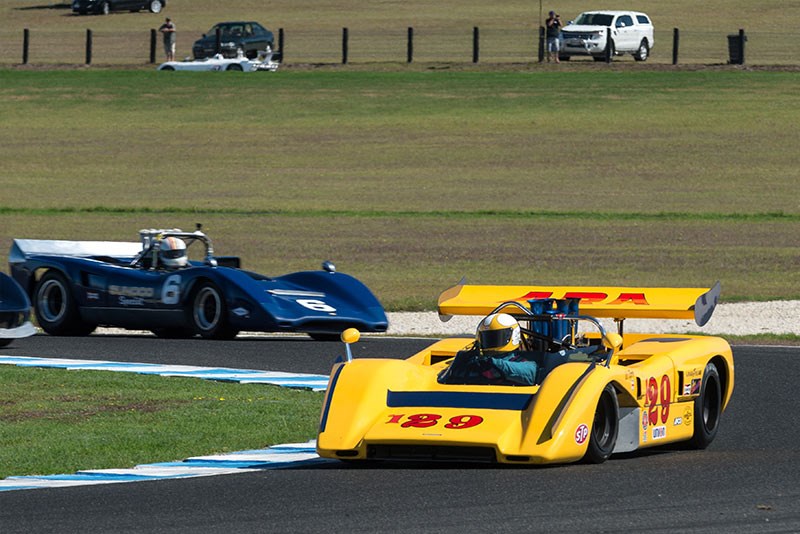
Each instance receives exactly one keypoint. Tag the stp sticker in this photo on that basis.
(581, 433)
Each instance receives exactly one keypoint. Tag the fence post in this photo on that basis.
(88, 46)
(541, 43)
(218, 41)
(410, 45)
(476, 44)
(152, 45)
(742, 39)
(280, 44)
(345, 44)
(26, 41)
(676, 39)
(608, 44)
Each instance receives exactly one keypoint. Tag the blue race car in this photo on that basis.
(15, 312)
(158, 285)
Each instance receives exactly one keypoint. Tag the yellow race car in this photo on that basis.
(571, 392)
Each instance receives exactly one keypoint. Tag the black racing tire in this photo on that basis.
(4, 342)
(168, 68)
(707, 409)
(643, 52)
(605, 427)
(234, 67)
(318, 336)
(56, 308)
(156, 6)
(208, 313)
(105, 8)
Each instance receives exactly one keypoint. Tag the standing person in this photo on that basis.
(168, 31)
(553, 35)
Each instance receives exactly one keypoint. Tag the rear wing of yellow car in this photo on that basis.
(613, 302)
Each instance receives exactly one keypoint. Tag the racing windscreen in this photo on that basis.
(614, 302)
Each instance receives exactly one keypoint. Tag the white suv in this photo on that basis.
(631, 33)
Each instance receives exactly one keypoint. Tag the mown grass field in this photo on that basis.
(412, 180)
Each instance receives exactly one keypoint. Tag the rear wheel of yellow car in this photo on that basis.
(707, 409)
(603, 436)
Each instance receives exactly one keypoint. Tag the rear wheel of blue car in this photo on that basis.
(707, 409)
(209, 314)
(56, 309)
(603, 436)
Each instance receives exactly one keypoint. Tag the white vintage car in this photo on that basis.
(264, 61)
(631, 32)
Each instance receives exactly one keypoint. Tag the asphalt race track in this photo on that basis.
(747, 481)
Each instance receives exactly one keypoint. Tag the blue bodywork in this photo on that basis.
(15, 312)
(114, 290)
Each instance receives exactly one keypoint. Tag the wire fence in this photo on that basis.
(396, 45)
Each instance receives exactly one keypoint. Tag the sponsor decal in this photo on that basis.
(427, 420)
(128, 301)
(131, 291)
(694, 372)
(659, 432)
(581, 433)
(687, 389)
(590, 297)
(645, 420)
(687, 416)
(695, 389)
(677, 422)
(241, 312)
(91, 295)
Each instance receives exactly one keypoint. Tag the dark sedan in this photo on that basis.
(107, 6)
(249, 37)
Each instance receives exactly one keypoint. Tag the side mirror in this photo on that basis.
(330, 267)
(351, 335)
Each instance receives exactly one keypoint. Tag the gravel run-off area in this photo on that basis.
(742, 319)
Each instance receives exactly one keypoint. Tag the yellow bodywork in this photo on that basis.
(357, 412)
(375, 408)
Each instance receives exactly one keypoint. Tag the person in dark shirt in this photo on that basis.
(553, 32)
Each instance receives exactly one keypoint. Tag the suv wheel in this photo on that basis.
(155, 6)
(644, 51)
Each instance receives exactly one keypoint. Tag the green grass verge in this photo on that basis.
(638, 178)
(57, 421)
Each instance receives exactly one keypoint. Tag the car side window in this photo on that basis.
(642, 19)
(625, 21)
(258, 29)
(248, 30)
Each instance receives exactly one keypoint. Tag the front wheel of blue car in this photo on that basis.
(56, 309)
(603, 436)
(209, 314)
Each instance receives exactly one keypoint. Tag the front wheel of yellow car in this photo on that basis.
(603, 436)
(707, 409)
